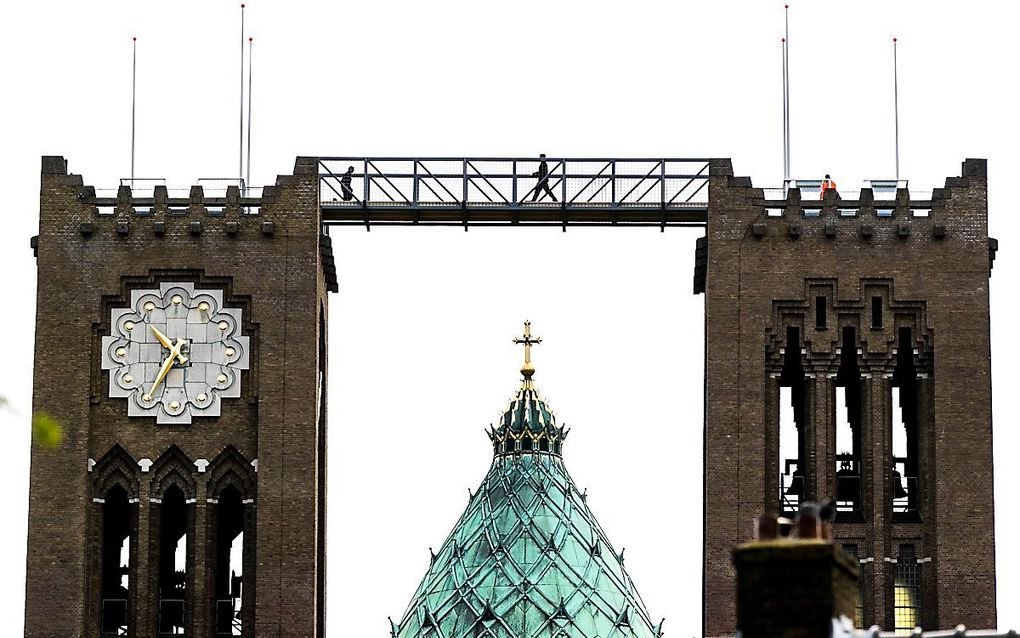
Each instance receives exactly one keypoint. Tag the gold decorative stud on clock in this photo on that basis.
(175, 353)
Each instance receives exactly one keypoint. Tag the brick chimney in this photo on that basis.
(793, 587)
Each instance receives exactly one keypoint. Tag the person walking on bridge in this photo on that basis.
(345, 185)
(543, 180)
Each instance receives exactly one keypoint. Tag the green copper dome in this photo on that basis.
(527, 559)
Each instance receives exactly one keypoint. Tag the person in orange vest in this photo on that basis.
(827, 184)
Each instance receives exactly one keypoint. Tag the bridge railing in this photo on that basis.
(512, 183)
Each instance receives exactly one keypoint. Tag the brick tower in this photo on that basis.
(180, 346)
(847, 355)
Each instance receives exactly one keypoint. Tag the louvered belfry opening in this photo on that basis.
(906, 467)
(116, 563)
(792, 424)
(849, 473)
(229, 566)
(173, 573)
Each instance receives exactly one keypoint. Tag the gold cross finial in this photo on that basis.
(527, 369)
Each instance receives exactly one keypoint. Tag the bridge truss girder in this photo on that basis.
(490, 191)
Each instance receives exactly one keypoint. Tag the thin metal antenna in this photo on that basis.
(786, 90)
(240, 143)
(134, 69)
(896, 106)
(247, 173)
(786, 148)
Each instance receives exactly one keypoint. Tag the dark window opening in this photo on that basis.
(173, 553)
(792, 440)
(820, 303)
(852, 550)
(116, 563)
(876, 312)
(906, 468)
(543, 444)
(907, 591)
(229, 573)
(526, 443)
(848, 432)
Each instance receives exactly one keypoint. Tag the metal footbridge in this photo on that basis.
(497, 191)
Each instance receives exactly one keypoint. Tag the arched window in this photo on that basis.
(116, 562)
(849, 447)
(172, 566)
(792, 424)
(228, 577)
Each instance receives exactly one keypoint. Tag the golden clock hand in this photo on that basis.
(162, 337)
(167, 364)
(175, 353)
(176, 350)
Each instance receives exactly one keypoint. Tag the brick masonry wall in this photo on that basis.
(788, 589)
(277, 280)
(746, 275)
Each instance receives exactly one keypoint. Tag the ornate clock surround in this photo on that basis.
(212, 328)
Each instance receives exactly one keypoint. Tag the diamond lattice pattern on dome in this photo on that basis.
(527, 559)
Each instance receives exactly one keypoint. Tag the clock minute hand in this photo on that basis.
(167, 364)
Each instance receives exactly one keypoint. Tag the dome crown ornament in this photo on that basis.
(528, 370)
(528, 424)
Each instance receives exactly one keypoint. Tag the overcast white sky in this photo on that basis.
(421, 359)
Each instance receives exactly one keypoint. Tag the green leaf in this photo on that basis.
(46, 431)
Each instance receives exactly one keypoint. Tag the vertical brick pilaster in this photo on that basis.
(822, 437)
(202, 594)
(877, 435)
(142, 589)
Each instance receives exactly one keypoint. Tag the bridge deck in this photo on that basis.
(509, 191)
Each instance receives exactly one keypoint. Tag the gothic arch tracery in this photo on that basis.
(117, 467)
(231, 468)
(173, 467)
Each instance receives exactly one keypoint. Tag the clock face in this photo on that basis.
(175, 353)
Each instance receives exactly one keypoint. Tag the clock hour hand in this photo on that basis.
(161, 337)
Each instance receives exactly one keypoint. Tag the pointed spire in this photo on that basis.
(503, 535)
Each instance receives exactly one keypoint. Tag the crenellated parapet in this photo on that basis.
(154, 210)
(882, 212)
